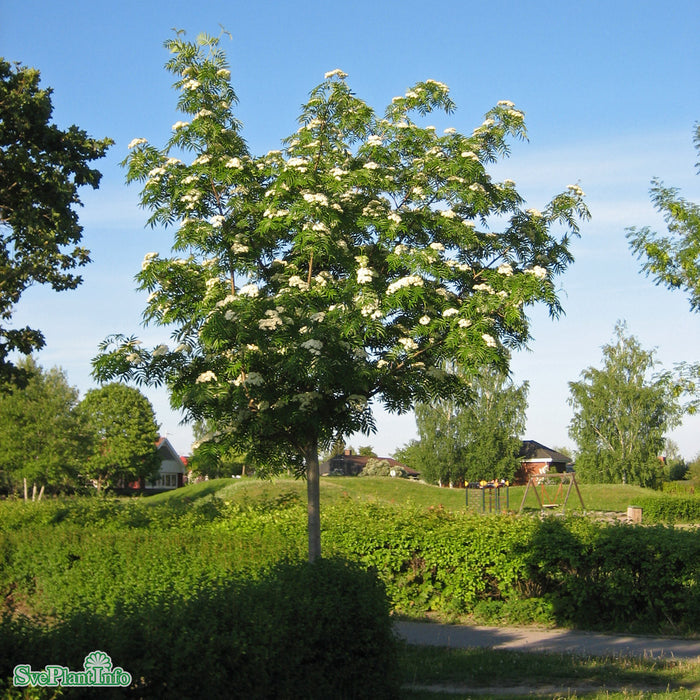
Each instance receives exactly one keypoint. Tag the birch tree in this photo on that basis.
(338, 272)
(621, 413)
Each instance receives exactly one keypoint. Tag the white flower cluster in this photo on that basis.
(224, 73)
(299, 164)
(249, 290)
(180, 125)
(449, 312)
(233, 163)
(337, 172)
(250, 379)
(191, 84)
(203, 113)
(489, 340)
(316, 199)
(538, 272)
(272, 321)
(505, 269)
(217, 221)
(147, 259)
(408, 344)
(447, 213)
(296, 281)
(371, 165)
(371, 310)
(483, 287)
(239, 248)
(335, 73)
(374, 140)
(535, 213)
(190, 199)
(424, 320)
(207, 376)
(136, 142)
(410, 281)
(313, 346)
(441, 86)
(202, 160)
(160, 350)
(156, 172)
(393, 216)
(575, 190)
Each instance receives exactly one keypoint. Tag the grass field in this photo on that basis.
(596, 497)
(455, 673)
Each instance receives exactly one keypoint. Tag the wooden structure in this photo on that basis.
(545, 501)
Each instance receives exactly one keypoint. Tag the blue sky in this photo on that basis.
(610, 91)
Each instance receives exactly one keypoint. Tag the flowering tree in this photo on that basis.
(342, 270)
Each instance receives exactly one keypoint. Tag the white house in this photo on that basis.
(172, 468)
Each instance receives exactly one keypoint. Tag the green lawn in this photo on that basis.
(484, 673)
(596, 497)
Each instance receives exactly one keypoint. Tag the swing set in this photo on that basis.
(547, 502)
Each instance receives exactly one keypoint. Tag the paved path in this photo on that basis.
(536, 640)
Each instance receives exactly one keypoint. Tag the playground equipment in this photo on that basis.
(493, 488)
(546, 501)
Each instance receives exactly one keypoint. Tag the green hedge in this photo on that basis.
(571, 572)
(670, 509)
(293, 630)
(172, 592)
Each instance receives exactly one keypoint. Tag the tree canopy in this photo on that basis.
(672, 260)
(41, 169)
(42, 438)
(124, 436)
(472, 442)
(341, 271)
(621, 413)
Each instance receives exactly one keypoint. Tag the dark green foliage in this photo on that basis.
(41, 170)
(42, 436)
(124, 432)
(295, 630)
(672, 260)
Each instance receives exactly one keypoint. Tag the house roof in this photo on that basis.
(532, 451)
(163, 445)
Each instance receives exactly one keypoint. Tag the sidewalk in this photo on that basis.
(553, 641)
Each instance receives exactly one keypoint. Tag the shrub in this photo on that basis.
(670, 509)
(295, 630)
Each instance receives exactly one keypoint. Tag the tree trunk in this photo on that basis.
(34, 491)
(41, 492)
(25, 489)
(313, 493)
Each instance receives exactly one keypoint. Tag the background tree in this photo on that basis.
(344, 269)
(42, 438)
(41, 169)
(213, 457)
(366, 451)
(672, 260)
(124, 432)
(479, 440)
(621, 413)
